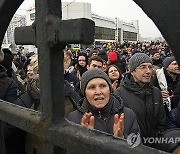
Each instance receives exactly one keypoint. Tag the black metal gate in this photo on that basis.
(50, 34)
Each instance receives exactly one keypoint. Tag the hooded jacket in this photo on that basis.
(146, 102)
(104, 118)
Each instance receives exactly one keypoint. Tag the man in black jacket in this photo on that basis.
(143, 98)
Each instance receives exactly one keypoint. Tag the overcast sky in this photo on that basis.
(125, 10)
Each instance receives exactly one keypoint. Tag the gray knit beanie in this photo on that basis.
(91, 74)
(137, 59)
(167, 61)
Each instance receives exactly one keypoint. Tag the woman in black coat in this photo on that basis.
(102, 110)
(14, 138)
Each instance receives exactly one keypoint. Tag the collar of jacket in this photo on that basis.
(169, 78)
(115, 105)
(129, 83)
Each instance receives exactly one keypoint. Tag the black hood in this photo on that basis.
(129, 83)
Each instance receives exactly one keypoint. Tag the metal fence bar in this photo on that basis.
(72, 137)
(56, 133)
(50, 61)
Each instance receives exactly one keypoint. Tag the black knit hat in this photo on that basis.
(167, 61)
(7, 62)
(137, 59)
(153, 52)
(103, 55)
(91, 74)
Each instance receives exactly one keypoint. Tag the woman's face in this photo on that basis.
(97, 93)
(66, 57)
(113, 73)
(82, 61)
(30, 72)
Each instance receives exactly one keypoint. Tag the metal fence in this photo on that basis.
(50, 34)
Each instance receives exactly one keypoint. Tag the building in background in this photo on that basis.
(106, 29)
(17, 21)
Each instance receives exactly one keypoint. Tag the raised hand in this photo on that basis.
(118, 127)
(115, 85)
(88, 120)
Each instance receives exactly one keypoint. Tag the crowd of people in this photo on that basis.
(118, 89)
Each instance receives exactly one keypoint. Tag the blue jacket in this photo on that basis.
(173, 119)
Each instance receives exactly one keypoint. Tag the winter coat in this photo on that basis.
(173, 119)
(146, 102)
(176, 98)
(32, 97)
(8, 87)
(104, 118)
(157, 63)
(2, 144)
(14, 137)
(71, 78)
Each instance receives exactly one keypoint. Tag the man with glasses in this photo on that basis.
(142, 97)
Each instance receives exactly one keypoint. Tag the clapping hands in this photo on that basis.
(118, 127)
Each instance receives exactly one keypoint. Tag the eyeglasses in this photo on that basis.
(145, 67)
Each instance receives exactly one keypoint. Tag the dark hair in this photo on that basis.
(91, 52)
(82, 54)
(80, 68)
(95, 58)
(107, 70)
(7, 62)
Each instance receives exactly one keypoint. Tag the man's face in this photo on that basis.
(94, 54)
(173, 68)
(156, 56)
(142, 74)
(95, 64)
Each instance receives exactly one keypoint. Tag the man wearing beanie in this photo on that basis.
(142, 97)
(171, 72)
(100, 109)
(156, 58)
